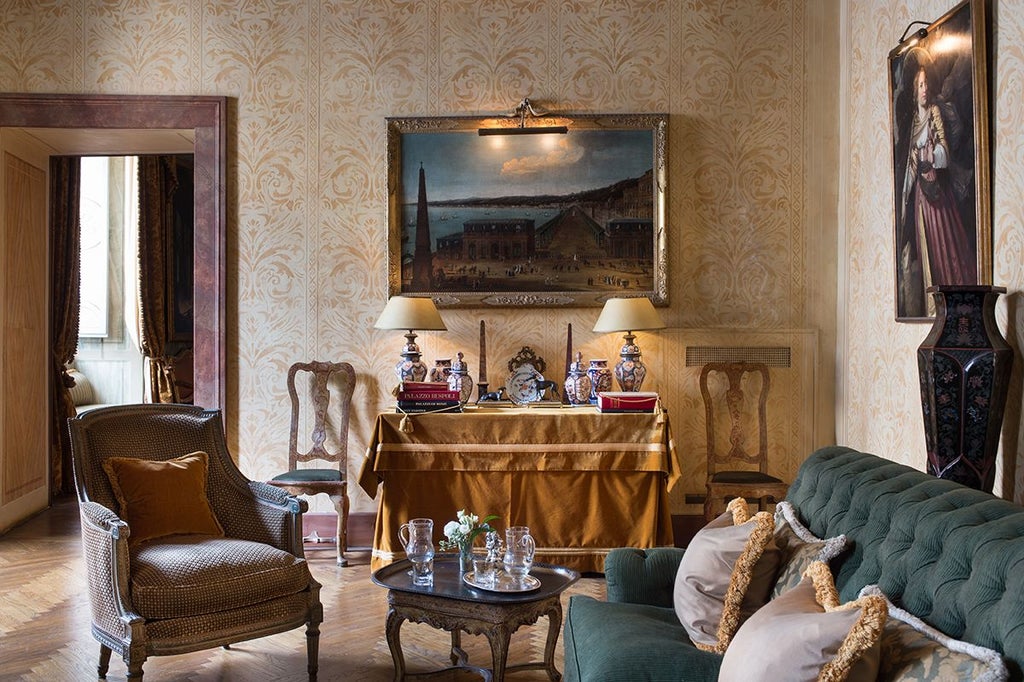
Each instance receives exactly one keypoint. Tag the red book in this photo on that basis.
(429, 396)
(418, 386)
(626, 401)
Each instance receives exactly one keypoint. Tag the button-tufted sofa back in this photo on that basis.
(951, 555)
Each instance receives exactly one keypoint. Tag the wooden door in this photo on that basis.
(24, 329)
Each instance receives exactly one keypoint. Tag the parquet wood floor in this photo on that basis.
(44, 622)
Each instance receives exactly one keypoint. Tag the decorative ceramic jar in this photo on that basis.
(600, 378)
(629, 370)
(459, 379)
(964, 366)
(411, 367)
(577, 383)
(441, 369)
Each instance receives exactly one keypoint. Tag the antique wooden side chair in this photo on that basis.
(325, 421)
(183, 552)
(733, 471)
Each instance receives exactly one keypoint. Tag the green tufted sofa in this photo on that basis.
(948, 554)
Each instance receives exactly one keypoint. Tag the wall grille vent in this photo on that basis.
(772, 356)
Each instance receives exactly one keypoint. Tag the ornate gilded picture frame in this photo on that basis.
(938, 89)
(527, 220)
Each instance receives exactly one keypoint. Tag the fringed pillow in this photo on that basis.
(805, 635)
(799, 547)
(726, 574)
(913, 650)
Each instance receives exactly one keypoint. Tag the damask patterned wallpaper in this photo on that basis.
(751, 89)
(879, 405)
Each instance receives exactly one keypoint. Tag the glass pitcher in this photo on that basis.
(519, 549)
(416, 537)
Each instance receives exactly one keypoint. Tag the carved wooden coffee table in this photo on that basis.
(452, 605)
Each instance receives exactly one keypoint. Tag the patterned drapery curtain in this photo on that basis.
(157, 183)
(65, 275)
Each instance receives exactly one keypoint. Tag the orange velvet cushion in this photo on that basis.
(163, 498)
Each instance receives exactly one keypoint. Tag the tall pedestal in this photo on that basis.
(964, 366)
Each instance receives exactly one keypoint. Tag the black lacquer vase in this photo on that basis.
(964, 366)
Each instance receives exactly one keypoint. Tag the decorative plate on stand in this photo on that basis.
(525, 373)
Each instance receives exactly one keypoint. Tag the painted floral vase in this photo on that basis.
(459, 379)
(964, 365)
(441, 369)
(577, 383)
(600, 378)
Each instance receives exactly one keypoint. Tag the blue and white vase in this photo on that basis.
(577, 383)
(600, 378)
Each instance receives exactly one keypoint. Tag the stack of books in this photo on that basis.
(626, 401)
(427, 396)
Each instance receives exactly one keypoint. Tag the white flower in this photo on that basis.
(461, 532)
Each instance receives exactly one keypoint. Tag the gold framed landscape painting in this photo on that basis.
(527, 220)
(939, 109)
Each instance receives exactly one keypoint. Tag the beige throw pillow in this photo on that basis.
(726, 574)
(805, 635)
(912, 650)
(799, 547)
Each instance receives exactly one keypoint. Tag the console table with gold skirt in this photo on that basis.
(584, 482)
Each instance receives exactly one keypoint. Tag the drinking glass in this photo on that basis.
(416, 537)
(519, 549)
(484, 570)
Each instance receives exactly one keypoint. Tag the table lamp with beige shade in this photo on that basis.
(629, 315)
(409, 313)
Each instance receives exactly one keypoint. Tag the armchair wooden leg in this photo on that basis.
(135, 671)
(104, 661)
(313, 649)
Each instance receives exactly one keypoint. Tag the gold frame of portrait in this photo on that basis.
(575, 288)
(941, 52)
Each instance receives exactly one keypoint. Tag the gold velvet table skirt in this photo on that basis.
(584, 482)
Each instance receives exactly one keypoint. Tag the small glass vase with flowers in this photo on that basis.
(460, 534)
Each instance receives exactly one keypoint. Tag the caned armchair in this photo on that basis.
(186, 592)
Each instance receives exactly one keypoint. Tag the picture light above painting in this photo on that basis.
(541, 220)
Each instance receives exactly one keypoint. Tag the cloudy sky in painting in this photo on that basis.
(461, 165)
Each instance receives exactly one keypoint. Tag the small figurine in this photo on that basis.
(492, 542)
(542, 385)
(493, 396)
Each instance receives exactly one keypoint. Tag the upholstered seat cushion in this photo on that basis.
(308, 476)
(189, 575)
(615, 641)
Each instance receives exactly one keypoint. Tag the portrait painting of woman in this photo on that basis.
(939, 183)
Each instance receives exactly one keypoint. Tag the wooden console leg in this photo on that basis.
(554, 627)
(499, 639)
(392, 626)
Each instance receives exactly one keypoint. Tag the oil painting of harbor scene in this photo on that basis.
(527, 219)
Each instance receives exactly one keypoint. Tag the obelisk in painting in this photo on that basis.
(422, 260)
